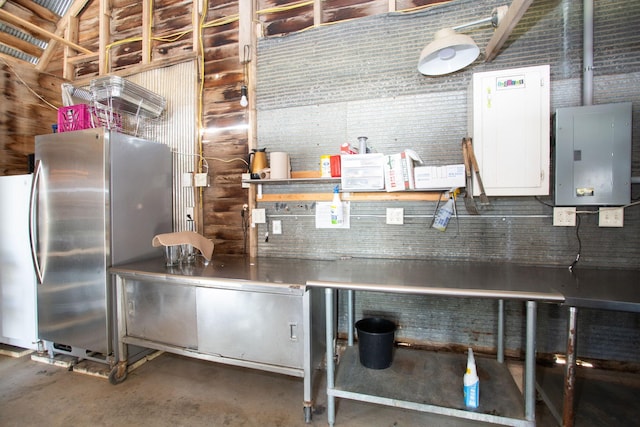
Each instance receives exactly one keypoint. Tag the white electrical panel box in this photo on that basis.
(511, 130)
(593, 155)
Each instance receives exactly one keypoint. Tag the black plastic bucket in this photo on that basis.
(375, 342)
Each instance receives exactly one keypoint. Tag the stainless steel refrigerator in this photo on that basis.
(17, 279)
(98, 199)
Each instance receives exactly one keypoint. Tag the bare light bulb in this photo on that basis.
(243, 99)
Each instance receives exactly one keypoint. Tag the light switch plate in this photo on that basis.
(564, 217)
(611, 217)
(395, 216)
(258, 216)
(276, 226)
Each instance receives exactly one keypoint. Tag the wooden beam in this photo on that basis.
(104, 24)
(38, 10)
(74, 10)
(19, 44)
(147, 22)
(196, 22)
(7, 17)
(502, 33)
(246, 12)
(71, 34)
(76, 7)
(28, 16)
(317, 13)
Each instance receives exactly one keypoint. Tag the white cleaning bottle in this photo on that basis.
(337, 214)
(471, 383)
(443, 216)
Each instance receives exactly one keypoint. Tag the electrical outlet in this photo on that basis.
(246, 176)
(611, 217)
(201, 180)
(258, 216)
(564, 217)
(395, 216)
(276, 226)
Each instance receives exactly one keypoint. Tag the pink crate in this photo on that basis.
(74, 117)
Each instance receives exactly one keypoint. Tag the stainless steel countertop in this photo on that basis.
(459, 279)
(605, 289)
(609, 289)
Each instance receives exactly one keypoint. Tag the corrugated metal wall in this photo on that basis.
(322, 87)
(177, 127)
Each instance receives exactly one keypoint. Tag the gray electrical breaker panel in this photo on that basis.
(593, 155)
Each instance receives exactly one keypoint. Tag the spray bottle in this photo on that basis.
(443, 216)
(471, 383)
(337, 214)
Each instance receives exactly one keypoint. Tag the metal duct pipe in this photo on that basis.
(587, 53)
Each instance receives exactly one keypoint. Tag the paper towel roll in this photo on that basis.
(280, 165)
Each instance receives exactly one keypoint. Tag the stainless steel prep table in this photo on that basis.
(254, 313)
(451, 279)
(601, 289)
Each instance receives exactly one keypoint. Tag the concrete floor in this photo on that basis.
(173, 390)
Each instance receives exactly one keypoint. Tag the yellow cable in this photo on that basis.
(277, 9)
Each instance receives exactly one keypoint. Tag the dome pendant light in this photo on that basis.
(450, 51)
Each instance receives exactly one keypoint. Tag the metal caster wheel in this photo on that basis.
(118, 374)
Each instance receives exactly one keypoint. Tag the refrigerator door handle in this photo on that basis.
(33, 220)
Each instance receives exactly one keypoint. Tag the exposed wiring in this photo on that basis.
(573, 264)
(277, 9)
(246, 220)
(26, 85)
(235, 159)
(543, 202)
(423, 7)
(205, 164)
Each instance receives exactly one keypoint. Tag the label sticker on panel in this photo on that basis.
(509, 83)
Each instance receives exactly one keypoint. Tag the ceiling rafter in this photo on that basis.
(38, 10)
(32, 28)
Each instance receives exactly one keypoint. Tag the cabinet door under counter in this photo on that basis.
(222, 314)
(254, 326)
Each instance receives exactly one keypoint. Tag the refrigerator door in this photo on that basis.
(72, 203)
(141, 196)
(17, 279)
(99, 198)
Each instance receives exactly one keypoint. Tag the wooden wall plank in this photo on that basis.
(22, 114)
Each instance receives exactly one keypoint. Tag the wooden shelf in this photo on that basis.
(313, 177)
(291, 181)
(352, 196)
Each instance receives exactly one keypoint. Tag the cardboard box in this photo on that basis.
(362, 172)
(398, 172)
(439, 177)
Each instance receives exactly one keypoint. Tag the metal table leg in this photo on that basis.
(350, 316)
(331, 409)
(119, 371)
(530, 364)
(500, 350)
(570, 369)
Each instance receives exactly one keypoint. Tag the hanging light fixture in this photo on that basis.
(243, 96)
(244, 101)
(450, 51)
